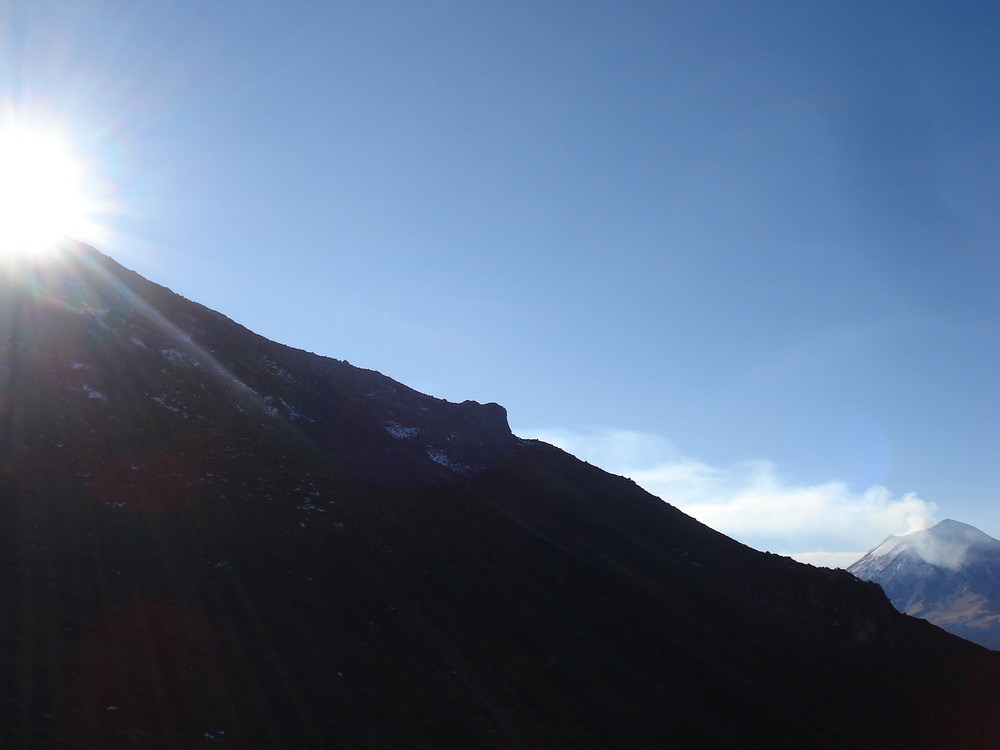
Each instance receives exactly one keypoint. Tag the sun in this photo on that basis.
(43, 193)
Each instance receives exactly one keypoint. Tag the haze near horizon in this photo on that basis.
(745, 254)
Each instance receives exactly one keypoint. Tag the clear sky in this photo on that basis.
(744, 252)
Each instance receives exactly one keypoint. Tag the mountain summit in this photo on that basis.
(948, 574)
(208, 539)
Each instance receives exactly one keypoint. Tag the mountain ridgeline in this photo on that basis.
(209, 539)
(948, 575)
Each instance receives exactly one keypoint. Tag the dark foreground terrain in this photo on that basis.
(211, 540)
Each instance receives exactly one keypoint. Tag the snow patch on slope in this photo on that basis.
(441, 457)
(399, 431)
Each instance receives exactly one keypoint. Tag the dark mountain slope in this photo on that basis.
(211, 540)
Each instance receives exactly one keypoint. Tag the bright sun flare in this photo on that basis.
(43, 195)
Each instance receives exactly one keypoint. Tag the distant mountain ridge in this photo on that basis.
(948, 574)
(208, 539)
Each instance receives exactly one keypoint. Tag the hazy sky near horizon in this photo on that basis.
(744, 252)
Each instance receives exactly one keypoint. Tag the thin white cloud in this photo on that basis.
(826, 559)
(751, 500)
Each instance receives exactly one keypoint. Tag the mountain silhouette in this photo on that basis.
(208, 539)
(948, 574)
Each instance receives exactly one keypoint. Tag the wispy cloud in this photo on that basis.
(830, 523)
(826, 559)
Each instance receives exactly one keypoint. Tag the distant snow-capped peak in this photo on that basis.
(949, 544)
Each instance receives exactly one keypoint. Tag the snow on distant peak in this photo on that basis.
(945, 545)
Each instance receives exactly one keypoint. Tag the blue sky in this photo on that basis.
(746, 253)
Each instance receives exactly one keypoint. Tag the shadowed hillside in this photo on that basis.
(212, 540)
